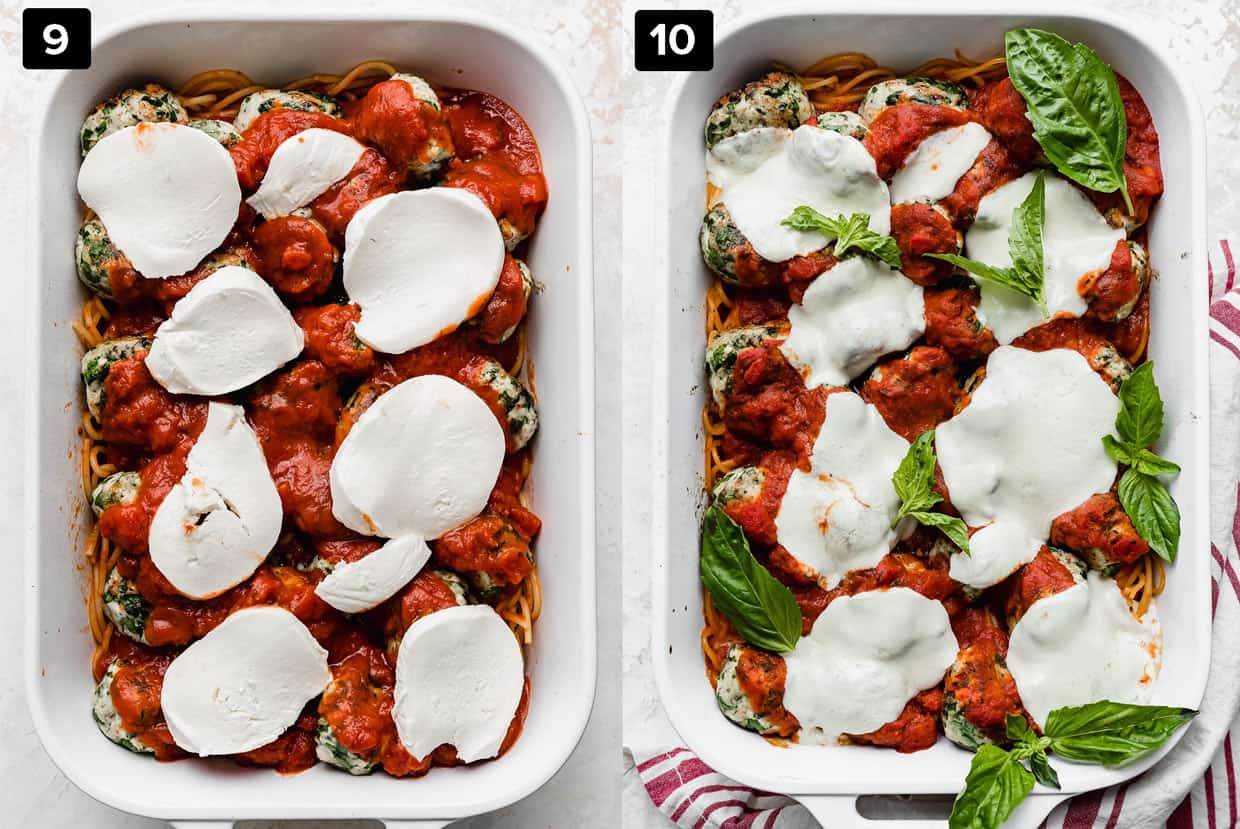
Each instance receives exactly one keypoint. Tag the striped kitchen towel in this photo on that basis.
(1194, 787)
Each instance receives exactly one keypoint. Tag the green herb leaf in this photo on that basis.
(914, 477)
(851, 232)
(1075, 107)
(1140, 419)
(1042, 770)
(760, 608)
(1118, 450)
(1149, 463)
(1112, 733)
(996, 785)
(1153, 511)
(952, 527)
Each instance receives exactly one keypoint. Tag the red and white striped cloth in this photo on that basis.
(1194, 787)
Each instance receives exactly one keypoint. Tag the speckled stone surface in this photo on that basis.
(586, 36)
(1203, 35)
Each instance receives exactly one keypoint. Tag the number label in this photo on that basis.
(674, 41)
(56, 38)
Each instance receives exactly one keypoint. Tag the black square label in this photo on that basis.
(56, 38)
(674, 41)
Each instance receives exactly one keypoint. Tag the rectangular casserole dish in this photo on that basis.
(1178, 344)
(457, 49)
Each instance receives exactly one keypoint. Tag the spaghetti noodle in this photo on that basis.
(839, 82)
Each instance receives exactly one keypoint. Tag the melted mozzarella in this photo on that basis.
(167, 193)
(1083, 645)
(1076, 240)
(219, 522)
(849, 317)
(1026, 449)
(837, 517)
(360, 585)
(767, 173)
(244, 683)
(865, 658)
(419, 263)
(302, 168)
(229, 331)
(420, 461)
(931, 171)
(459, 678)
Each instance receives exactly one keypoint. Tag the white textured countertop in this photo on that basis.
(585, 36)
(1203, 35)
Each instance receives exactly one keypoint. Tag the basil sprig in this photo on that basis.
(914, 483)
(851, 232)
(1074, 105)
(1027, 273)
(760, 608)
(1102, 733)
(1143, 496)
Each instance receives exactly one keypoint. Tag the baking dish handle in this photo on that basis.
(388, 824)
(840, 812)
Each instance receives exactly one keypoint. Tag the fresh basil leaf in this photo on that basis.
(1012, 278)
(851, 232)
(1042, 771)
(951, 526)
(1119, 451)
(761, 609)
(1149, 463)
(1025, 240)
(1017, 728)
(1075, 107)
(1140, 419)
(1112, 733)
(996, 785)
(1153, 511)
(914, 477)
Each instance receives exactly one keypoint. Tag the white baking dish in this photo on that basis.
(905, 38)
(458, 49)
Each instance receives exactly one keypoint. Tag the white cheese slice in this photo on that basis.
(865, 658)
(850, 316)
(837, 517)
(767, 173)
(1076, 240)
(229, 331)
(355, 586)
(219, 522)
(459, 678)
(167, 193)
(1026, 449)
(420, 461)
(1083, 645)
(419, 263)
(931, 171)
(302, 168)
(244, 683)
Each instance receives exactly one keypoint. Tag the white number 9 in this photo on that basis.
(56, 36)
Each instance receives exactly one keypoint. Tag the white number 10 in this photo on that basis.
(56, 36)
(681, 38)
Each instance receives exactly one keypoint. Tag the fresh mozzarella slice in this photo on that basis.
(1083, 645)
(1076, 240)
(219, 522)
(167, 193)
(837, 517)
(360, 585)
(419, 263)
(459, 678)
(1026, 449)
(229, 331)
(302, 168)
(766, 173)
(931, 171)
(849, 317)
(420, 461)
(865, 658)
(244, 683)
